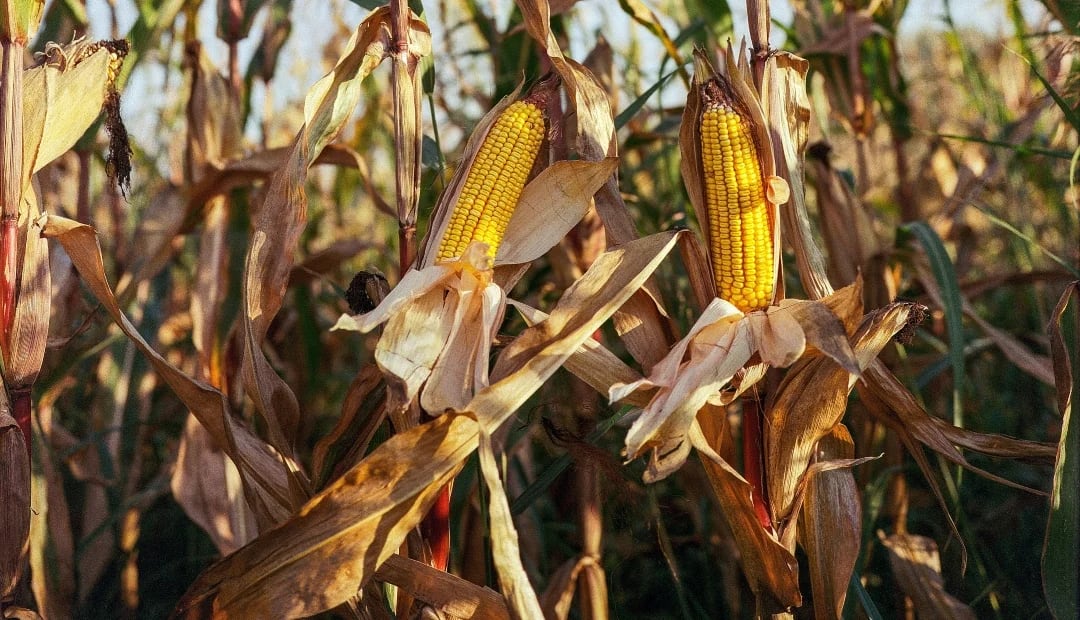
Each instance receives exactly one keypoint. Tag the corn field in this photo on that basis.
(539, 309)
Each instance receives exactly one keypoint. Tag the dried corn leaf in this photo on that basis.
(207, 486)
(917, 567)
(513, 581)
(590, 301)
(278, 222)
(942, 437)
(593, 363)
(362, 411)
(462, 367)
(811, 401)
(832, 526)
(325, 553)
(449, 594)
(14, 500)
(267, 487)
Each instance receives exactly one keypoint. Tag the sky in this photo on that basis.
(143, 93)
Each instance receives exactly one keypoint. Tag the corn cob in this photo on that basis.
(740, 231)
(495, 180)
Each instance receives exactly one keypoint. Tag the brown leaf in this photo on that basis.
(267, 487)
(513, 580)
(362, 411)
(917, 567)
(327, 551)
(447, 593)
(278, 222)
(539, 350)
(831, 531)
(593, 363)
(14, 500)
(207, 486)
(810, 401)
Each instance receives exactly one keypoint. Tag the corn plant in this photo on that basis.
(742, 334)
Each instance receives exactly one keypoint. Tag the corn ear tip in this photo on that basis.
(543, 90)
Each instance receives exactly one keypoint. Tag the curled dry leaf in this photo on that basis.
(811, 401)
(587, 303)
(266, 485)
(917, 566)
(328, 550)
(593, 363)
(278, 222)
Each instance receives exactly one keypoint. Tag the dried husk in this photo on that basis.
(51, 124)
(770, 568)
(811, 401)
(787, 109)
(831, 531)
(707, 360)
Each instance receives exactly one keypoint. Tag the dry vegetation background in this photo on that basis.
(941, 167)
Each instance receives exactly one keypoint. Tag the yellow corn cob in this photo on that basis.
(495, 179)
(739, 228)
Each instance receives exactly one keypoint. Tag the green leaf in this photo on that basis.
(368, 4)
(1061, 549)
(945, 275)
(624, 117)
